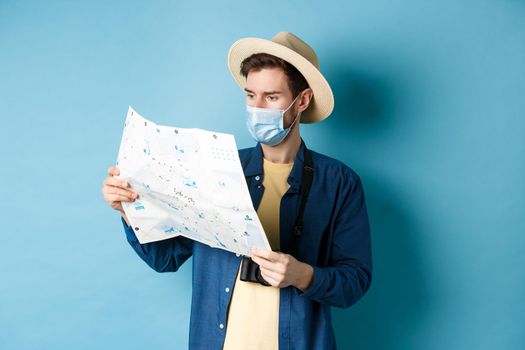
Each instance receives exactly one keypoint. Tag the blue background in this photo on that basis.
(430, 112)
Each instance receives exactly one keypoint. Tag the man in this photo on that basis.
(312, 208)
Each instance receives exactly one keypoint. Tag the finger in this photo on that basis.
(261, 253)
(111, 181)
(267, 254)
(109, 190)
(269, 279)
(113, 171)
(267, 264)
(277, 277)
(113, 198)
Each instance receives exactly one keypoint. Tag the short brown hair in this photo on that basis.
(258, 61)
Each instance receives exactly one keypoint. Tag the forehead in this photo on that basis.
(267, 79)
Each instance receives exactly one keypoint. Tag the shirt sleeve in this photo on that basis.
(349, 275)
(162, 256)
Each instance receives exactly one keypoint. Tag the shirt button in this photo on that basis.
(237, 254)
(257, 178)
(221, 326)
(227, 290)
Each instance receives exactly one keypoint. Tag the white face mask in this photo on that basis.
(266, 124)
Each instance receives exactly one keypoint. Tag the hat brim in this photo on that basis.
(322, 103)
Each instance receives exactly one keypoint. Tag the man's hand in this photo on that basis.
(116, 191)
(283, 270)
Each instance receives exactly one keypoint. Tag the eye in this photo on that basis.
(249, 95)
(272, 98)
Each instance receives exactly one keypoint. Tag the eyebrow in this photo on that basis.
(265, 92)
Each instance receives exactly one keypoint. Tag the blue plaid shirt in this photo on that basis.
(335, 240)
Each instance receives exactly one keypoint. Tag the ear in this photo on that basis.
(305, 97)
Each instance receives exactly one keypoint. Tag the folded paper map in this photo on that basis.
(190, 183)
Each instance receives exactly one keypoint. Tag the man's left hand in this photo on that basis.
(283, 270)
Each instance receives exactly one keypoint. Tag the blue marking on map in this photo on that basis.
(189, 182)
(173, 206)
(220, 243)
(170, 230)
(139, 206)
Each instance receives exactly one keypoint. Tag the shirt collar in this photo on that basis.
(255, 165)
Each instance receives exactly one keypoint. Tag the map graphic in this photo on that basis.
(190, 183)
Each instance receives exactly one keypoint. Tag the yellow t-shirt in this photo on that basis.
(253, 316)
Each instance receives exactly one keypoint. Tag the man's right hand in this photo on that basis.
(115, 191)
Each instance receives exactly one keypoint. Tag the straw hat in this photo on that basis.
(290, 48)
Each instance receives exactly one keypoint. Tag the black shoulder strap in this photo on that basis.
(308, 175)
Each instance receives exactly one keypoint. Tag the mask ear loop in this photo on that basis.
(296, 118)
(291, 104)
(291, 125)
(298, 114)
